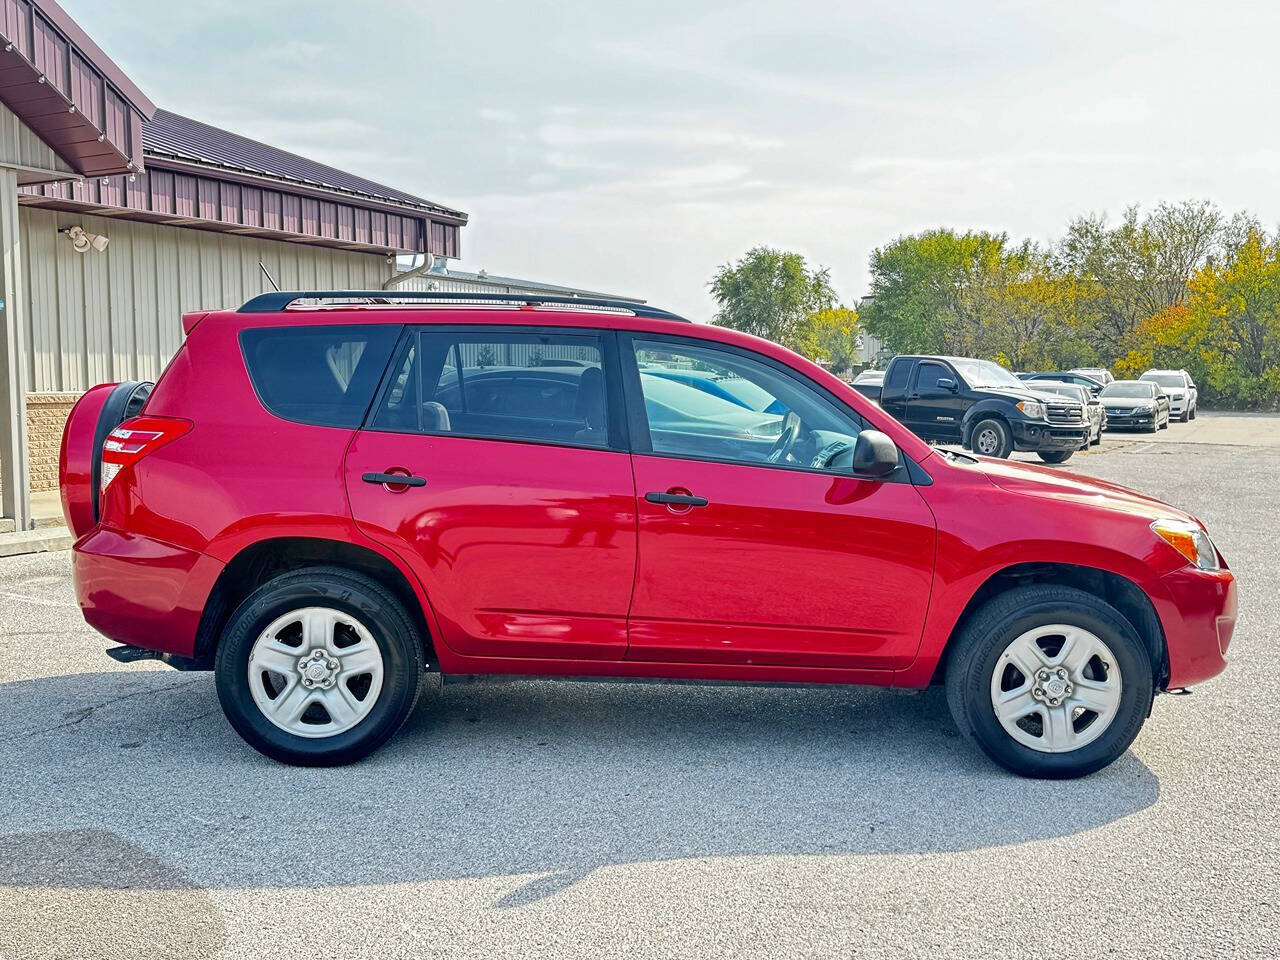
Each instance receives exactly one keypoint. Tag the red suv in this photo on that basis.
(326, 495)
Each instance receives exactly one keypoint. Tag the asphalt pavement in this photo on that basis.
(544, 819)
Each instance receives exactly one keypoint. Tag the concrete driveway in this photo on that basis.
(537, 819)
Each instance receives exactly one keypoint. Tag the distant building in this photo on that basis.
(445, 279)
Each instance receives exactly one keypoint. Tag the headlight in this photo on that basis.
(1189, 540)
(1031, 409)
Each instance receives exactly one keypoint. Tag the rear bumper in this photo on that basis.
(141, 591)
(1197, 610)
(1048, 436)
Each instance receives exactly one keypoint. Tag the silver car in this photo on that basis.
(1094, 410)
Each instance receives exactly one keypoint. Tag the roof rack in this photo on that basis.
(278, 301)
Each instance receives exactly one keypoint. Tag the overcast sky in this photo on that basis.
(634, 147)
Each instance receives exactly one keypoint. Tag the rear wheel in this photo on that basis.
(1050, 681)
(1055, 456)
(319, 666)
(991, 438)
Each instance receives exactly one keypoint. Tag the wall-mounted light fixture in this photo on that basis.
(83, 241)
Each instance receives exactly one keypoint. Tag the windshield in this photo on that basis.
(1166, 379)
(1130, 389)
(984, 373)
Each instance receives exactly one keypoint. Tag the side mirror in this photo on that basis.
(947, 384)
(875, 456)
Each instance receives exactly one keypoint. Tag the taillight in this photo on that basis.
(134, 439)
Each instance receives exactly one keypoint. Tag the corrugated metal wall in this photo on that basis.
(98, 317)
(19, 146)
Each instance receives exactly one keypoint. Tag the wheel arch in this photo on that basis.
(983, 410)
(267, 558)
(1116, 589)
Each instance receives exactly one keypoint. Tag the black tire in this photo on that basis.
(1165, 425)
(355, 595)
(1055, 456)
(977, 650)
(1003, 438)
(1193, 413)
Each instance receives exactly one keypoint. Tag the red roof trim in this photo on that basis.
(94, 54)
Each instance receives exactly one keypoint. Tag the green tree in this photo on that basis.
(925, 290)
(771, 294)
(1140, 267)
(831, 335)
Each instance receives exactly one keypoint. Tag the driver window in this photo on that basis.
(928, 377)
(712, 404)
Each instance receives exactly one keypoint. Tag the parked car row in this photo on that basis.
(983, 407)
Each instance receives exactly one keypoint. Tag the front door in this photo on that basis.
(934, 412)
(521, 520)
(757, 545)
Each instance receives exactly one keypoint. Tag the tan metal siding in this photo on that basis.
(20, 147)
(99, 317)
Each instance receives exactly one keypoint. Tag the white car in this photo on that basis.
(1095, 373)
(1183, 395)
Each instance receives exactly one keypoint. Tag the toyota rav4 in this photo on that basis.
(327, 495)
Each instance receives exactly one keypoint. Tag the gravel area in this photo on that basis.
(541, 819)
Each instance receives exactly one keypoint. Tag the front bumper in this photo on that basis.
(141, 591)
(1131, 420)
(1040, 435)
(1197, 609)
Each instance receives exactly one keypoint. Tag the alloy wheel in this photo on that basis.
(1056, 688)
(315, 672)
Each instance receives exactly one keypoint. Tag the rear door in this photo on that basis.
(757, 545)
(521, 521)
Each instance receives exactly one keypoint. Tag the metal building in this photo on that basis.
(116, 217)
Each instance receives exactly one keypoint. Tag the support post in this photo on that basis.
(16, 493)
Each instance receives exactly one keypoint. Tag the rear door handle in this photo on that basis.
(402, 479)
(676, 499)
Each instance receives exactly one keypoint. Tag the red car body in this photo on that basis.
(534, 559)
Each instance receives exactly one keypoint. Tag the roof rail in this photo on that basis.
(278, 301)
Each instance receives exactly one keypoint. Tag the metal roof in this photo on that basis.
(510, 284)
(183, 139)
(68, 92)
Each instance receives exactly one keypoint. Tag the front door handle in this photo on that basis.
(676, 499)
(402, 479)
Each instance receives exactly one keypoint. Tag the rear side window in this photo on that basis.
(897, 379)
(537, 387)
(323, 375)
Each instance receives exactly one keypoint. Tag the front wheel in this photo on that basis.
(1050, 681)
(1192, 415)
(991, 438)
(1055, 456)
(319, 666)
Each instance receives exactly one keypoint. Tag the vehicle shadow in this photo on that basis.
(549, 780)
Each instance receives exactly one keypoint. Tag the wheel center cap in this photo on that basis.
(1052, 686)
(318, 669)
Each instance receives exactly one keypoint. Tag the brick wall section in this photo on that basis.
(46, 416)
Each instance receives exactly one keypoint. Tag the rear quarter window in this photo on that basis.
(897, 378)
(322, 375)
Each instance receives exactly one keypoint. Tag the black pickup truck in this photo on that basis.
(981, 406)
